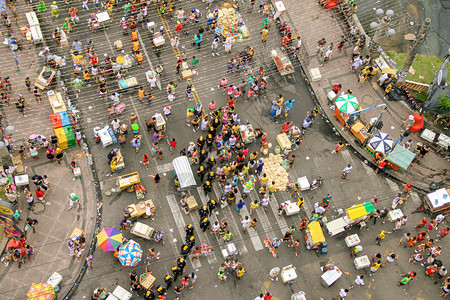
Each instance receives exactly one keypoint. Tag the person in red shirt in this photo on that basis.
(39, 194)
(267, 296)
(380, 166)
(431, 270)
(94, 59)
(421, 223)
(178, 26)
(173, 144)
(421, 236)
(443, 233)
(145, 160)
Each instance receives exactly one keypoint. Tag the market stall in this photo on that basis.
(128, 180)
(183, 171)
(247, 133)
(230, 23)
(283, 64)
(400, 158)
(358, 213)
(128, 84)
(138, 210)
(438, 200)
(146, 280)
(45, 77)
(313, 235)
(359, 131)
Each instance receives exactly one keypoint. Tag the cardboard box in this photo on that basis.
(192, 203)
(186, 74)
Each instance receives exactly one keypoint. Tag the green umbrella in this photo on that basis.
(135, 126)
(347, 103)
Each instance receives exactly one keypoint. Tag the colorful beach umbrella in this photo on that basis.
(109, 239)
(347, 103)
(381, 142)
(130, 254)
(41, 291)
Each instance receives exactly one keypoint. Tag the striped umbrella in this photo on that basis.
(109, 239)
(130, 254)
(381, 142)
(347, 103)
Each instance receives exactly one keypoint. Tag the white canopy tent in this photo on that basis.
(184, 171)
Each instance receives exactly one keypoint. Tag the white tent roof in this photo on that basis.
(184, 171)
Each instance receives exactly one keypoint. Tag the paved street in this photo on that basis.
(314, 158)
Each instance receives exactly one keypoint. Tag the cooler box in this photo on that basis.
(55, 119)
(330, 277)
(21, 180)
(362, 262)
(395, 214)
(105, 138)
(291, 208)
(62, 139)
(64, 118)
(315, 74)
(283, 141)
(304, 183)
(186, 74)
(352, 240)
(112, 135)
(70, 136)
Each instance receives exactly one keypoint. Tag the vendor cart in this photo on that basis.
(288, 274)
(128, 180)
(128, 84)
(313, 235)
(45, 77)
(146, 280)
(400, 158)
(357, 214)
(121, 62)
(360, 132)
(158, 42)
(160, 124)
(247, 133)
(283, 64)
(144, 231)
(437, 201)
(330, 277)
(138, 210)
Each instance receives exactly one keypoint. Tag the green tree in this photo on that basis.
(445, 102)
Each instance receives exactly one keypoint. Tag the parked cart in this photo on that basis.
(283, 64)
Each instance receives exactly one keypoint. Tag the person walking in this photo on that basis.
(156, 179)
(346, 171)
(245, 224)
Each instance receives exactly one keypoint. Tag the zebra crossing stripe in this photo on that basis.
(179, 221)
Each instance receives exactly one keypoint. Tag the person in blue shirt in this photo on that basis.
(288, 106)
(240, 205)
(198, 40)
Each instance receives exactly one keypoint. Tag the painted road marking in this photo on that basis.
(235, 229)
(415, 198)
(203, 236)
(158, 80)
(179, 221)
(262, 217)
(393, 186)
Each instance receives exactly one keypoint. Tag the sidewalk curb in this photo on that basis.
(329, 119)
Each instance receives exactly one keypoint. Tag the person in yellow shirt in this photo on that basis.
(264, 34)
(189, 116)
(139, 58)
(235, 129)
(264, 179)
(253, 206)
(240, 272)
(226, 170)
(375, 266)
(272, 188)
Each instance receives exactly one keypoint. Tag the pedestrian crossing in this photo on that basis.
(269, 223)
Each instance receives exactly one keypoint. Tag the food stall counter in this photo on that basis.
(438, 200)
(359, 131)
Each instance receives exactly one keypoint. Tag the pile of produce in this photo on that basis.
(275, 172)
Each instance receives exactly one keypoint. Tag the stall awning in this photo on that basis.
(401, 156)
(184, 171)
(360, 210)
(316, 232)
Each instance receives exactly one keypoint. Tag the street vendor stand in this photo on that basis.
(120, 293)
(284, 141)
(359, 131)
(56, 101)
(139, 209)
(336, 226)
(330, 277)
(313, 235)
(143, 230)
(247, 133)
(438, 200)
(183, 171)
(128, 180)
(160, 122)
(283, 64)
(146, 280)
(341, 116)
(121, 62)
(128, 84)
(400, 158)
(358, 213)
(191, 203)
(288, 274)
(45, 77)
(102, 19)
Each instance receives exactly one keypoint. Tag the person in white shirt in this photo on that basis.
(245, 224)
(359, 281)
(260, 297)
(342, 294)
(115, 124)
(346, 170)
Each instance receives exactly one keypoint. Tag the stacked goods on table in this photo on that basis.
(275, 172)
(63, 129)
(232, 22)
